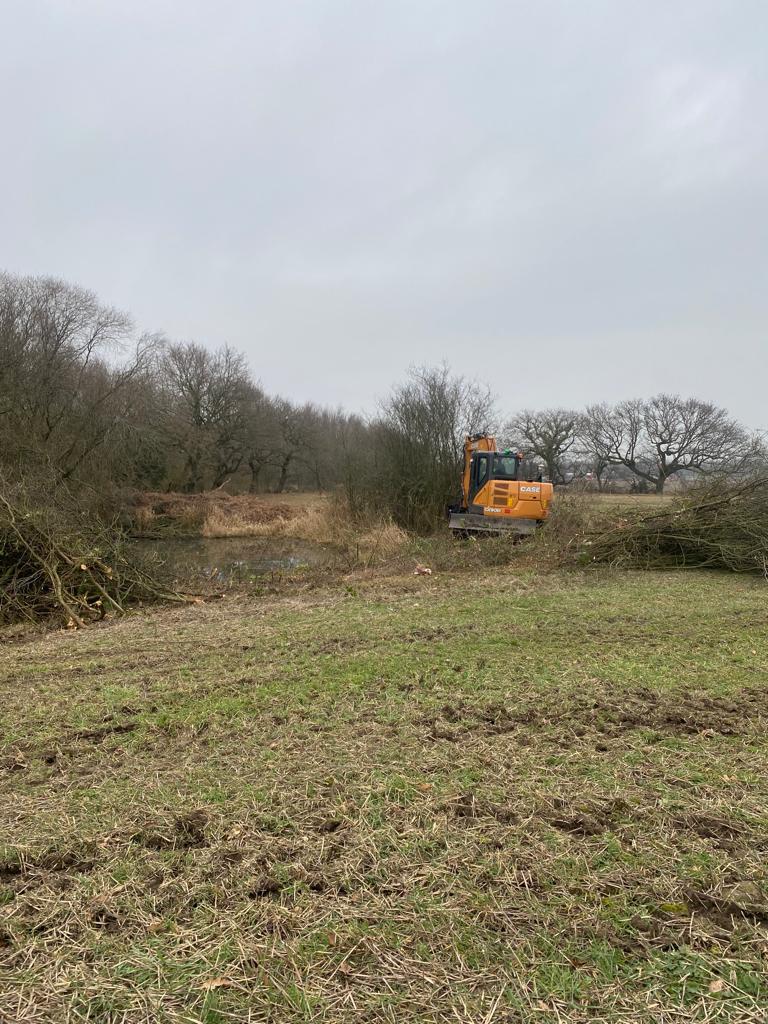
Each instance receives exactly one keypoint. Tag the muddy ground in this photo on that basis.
(428, 799)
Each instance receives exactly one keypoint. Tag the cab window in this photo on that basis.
(504, 467)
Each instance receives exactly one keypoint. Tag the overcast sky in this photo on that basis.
(565, 198)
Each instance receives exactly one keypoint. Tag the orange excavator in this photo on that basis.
(502, 492)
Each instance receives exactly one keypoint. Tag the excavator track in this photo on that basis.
(471, 522)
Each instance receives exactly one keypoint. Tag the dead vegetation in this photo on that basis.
(59, 562)
(209, 514)
(716, 528)
(721, 527)
(316, 519)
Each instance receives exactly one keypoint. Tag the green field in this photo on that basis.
(488, 797)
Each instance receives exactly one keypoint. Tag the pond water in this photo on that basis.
(229, 559)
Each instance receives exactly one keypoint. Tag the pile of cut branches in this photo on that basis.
(717, 528)
(58, 562)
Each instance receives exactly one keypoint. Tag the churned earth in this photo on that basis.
(496, 796)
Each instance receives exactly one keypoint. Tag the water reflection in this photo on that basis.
(231, 559)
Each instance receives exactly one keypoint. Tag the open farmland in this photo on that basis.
(448, 798)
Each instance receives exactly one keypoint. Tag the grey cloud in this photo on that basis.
(567, 200)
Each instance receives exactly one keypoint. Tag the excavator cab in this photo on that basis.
(506, 466)
(501, 491)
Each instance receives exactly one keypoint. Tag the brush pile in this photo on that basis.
(58, 562)
(717, 528)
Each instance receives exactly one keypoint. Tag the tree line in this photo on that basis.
(85, 396)
(641, 443)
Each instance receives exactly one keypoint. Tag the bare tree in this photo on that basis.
(665, 435)
(548, 435)
(420, 435)
(261, 433)
(201, 411)
(316, 456)
(305, 445)
(591, 456)
(296, 442)
(63, 395)
(355, 460)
